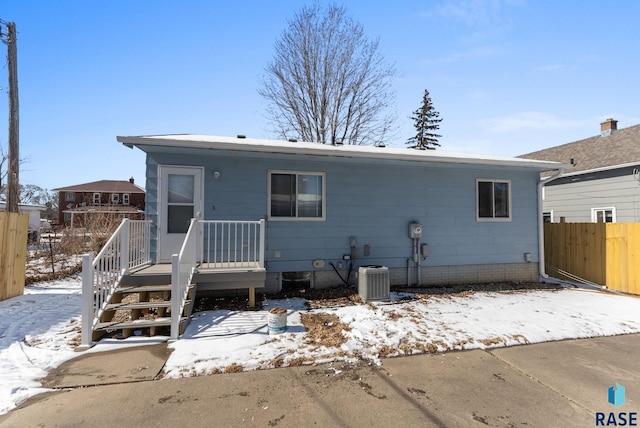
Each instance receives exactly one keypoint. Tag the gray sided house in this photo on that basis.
(603, 185)
(329, 207)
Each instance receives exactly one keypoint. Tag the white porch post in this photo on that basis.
(124, 246)
(175, 297)
(262, 243)
(87, 302)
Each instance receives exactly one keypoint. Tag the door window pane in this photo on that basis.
(178, 218)
(181, 189)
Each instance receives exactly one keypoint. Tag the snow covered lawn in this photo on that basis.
(40, 330)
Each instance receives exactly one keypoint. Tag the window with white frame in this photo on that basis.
(69, 196)
(125, 199)
(547, 216)
(493, 200)
(603, 215)
(296, 195)
(96, 199)
(115, 198)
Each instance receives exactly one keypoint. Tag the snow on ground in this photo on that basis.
(218, 341)
(40, 330)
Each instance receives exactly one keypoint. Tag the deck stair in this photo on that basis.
(140, 307)
(126, 292)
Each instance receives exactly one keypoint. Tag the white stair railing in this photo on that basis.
(229, 244)
(126, 249)
(183, 266)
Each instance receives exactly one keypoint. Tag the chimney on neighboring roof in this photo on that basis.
(608, 127)
(131, 180)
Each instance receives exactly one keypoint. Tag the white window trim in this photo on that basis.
(115, 198)
(99, 198)
(594, 215)
(125, 199)
(324, 195)
(550, 212)
(493, 219)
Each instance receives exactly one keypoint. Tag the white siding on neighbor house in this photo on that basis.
(574, 197)
(373, 200)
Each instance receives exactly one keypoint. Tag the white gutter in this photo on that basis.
(542, 182)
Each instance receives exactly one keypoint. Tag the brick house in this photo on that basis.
(119, 198)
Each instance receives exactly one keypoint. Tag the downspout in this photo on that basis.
(542, 182)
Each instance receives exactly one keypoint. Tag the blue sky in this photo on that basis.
(508, 76)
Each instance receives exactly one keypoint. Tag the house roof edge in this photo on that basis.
(317, 149)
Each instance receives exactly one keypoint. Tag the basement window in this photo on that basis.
(295, 280)
(493, 200)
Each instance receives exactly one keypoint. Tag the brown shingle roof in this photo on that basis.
(103, 186)
(619, 148)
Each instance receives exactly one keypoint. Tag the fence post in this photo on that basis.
(87, 302)
(124, 247)
(262, 235)
(175, 297)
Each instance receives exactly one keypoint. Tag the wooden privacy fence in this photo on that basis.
(13, 253)
(601, 253)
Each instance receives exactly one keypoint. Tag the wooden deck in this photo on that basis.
(208, 277)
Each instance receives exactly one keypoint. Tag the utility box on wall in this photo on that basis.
(415, 231)
(373, 283)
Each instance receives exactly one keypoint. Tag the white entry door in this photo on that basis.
(181, 198)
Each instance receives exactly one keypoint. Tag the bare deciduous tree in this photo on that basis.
(328, 83)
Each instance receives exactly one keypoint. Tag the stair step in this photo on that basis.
(138, 305)
(157, 322)
(143, 288)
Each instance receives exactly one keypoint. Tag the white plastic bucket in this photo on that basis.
(277, 320)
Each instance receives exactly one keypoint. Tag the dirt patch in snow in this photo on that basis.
(324, 329)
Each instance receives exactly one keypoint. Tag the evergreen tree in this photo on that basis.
(427, 122)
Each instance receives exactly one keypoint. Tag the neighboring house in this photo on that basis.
(34, 217)
(604, 183)
(118, 198)
(329, 206)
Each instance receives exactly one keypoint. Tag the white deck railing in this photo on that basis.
(209, 244)
(230, 244)
(126, 249)
(183, 265)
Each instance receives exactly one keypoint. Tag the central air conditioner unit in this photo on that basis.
(373, 283)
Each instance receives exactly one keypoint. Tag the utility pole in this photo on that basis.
(14, 134)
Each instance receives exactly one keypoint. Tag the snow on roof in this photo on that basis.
(317, 149)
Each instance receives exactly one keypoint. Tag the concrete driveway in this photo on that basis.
(544, 385)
